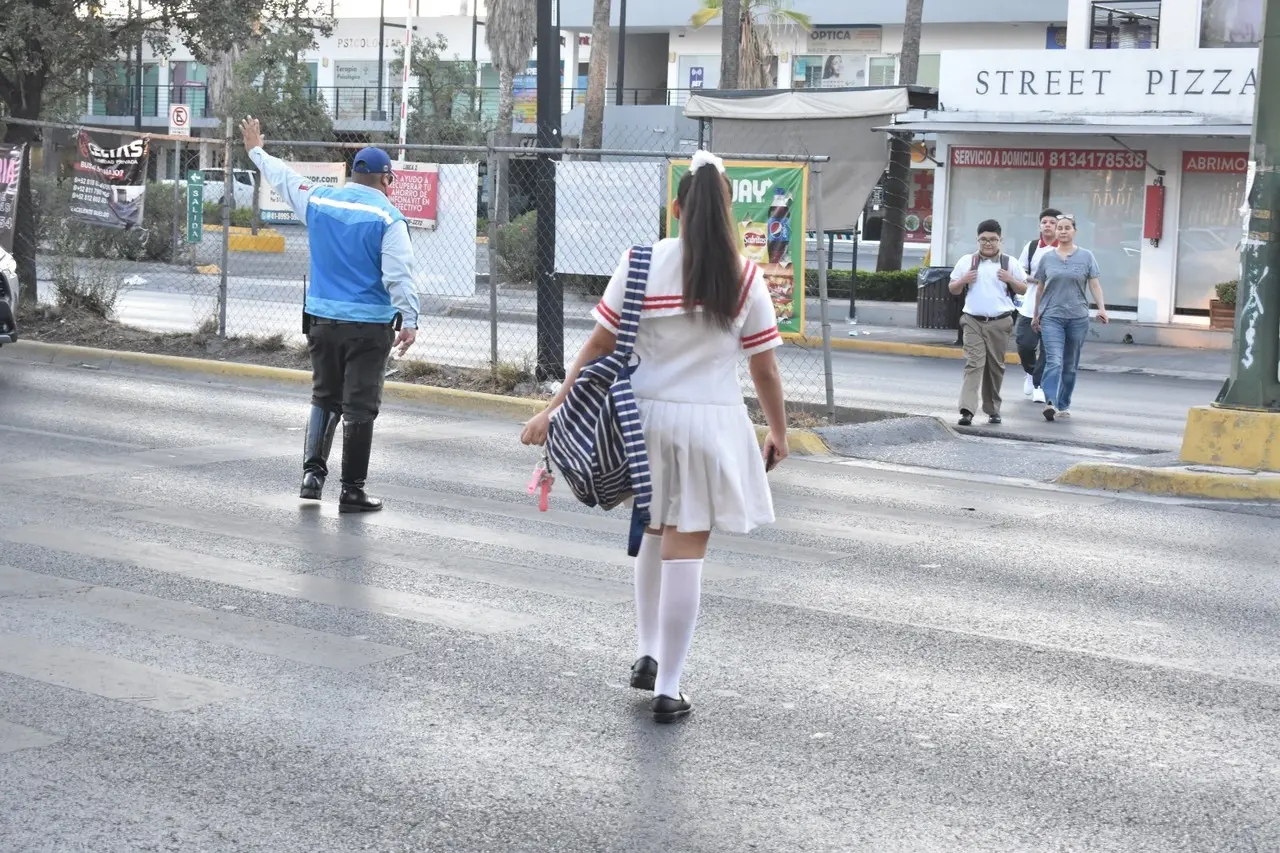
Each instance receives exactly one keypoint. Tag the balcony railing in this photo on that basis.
(356, 103)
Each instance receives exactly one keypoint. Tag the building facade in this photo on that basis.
(1139, 127)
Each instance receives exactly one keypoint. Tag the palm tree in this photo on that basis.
(597, 78)
(897, 189)
(730, 42)
(510, 30)
(760, 19)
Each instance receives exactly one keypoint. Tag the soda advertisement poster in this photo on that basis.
(415, 191)
(11, 160)
(769, 203)
(110, 184)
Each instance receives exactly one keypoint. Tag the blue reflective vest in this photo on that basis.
(347, 225)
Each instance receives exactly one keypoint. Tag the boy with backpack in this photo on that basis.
(990, 281)
(1028, 339)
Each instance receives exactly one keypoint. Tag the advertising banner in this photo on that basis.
(769, 204)
(110, 186)
(275, 208)
(11, 160)
(415, 191)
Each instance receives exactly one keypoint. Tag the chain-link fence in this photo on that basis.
(499, 290)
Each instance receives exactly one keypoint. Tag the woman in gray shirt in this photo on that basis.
(1065, 278)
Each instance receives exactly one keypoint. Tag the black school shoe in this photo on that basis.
(966, 417)
(644, 672)
(668, 710)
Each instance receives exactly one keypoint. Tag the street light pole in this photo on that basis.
(378, 113)
(622, 49)
(550, 323)
(1254, 383)
(137, 108)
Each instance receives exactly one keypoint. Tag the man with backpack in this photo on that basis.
(990, 281)
(1029, 349)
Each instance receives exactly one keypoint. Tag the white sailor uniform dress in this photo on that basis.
(704, 458)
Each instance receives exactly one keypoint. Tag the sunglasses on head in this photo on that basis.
(1068, 217)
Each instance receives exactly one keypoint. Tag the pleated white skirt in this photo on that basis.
(706, 466)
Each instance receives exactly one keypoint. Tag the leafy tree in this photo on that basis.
(759, 19)
(48, 48)
(441, 105)
(271, 83)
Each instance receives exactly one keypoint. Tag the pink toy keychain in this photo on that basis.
(541, 483)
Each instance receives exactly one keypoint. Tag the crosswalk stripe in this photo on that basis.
(304, 645)
(347, 547)
(617, 525)
(14, 737)
(14, 582)
(473, 534)
(128, 462)
(109, 677)
(319, 590)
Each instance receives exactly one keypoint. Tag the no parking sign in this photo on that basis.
(179, 120)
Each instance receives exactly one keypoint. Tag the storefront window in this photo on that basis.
(1209, 225)
(1103, 189)
(1108, 206)
(883, 71)
(1126, 25)
(1231, 23)
(1013, 197)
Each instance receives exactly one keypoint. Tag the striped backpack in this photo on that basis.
(595, 439)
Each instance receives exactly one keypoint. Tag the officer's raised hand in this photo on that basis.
(251, 130)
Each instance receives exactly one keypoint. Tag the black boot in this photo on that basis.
(321, 425)
(357, 444)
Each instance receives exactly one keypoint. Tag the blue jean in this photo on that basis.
(1063, 341)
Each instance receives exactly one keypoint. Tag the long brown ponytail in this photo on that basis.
(709, 238)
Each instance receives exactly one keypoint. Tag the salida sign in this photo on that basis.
(1212, 83)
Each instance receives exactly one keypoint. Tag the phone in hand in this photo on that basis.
(771, 461)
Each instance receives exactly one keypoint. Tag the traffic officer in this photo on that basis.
(361, 302)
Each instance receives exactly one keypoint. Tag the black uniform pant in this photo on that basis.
(348, 367)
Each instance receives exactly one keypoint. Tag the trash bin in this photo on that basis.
(936, 308)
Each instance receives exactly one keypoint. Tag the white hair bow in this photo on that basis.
(706, 158)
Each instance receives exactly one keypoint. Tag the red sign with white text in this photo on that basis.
(982, 157)
(1220, 162)
(415, 191)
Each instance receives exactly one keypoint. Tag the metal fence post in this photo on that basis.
(822, 292)
(177, 202)
(228, 188)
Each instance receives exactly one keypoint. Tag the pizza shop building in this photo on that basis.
(1089, 132)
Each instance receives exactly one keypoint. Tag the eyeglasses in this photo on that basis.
(989, 240)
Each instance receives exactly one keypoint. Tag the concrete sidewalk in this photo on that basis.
(893, 333)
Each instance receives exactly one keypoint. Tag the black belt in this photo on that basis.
(990, 319)
(326, 321)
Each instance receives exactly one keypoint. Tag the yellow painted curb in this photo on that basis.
(801, 442)
(242, 239)
(1232, 438)
(893, 348)
(1173, 482)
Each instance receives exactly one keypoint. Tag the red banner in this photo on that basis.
(415, 191)
(1221, 162)
(982, 157)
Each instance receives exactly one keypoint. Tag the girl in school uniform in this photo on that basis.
(705, 307)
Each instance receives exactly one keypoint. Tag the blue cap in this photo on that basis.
(372, 161)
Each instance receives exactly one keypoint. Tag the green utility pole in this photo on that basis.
(1254, 383)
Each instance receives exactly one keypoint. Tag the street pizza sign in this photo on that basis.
(179, 120)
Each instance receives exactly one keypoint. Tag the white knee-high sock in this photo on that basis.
(677, 616)
(648, 589)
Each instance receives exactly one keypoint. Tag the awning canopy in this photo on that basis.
(833, 122)
(1072, 129)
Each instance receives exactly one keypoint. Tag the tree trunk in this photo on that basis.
(897, 189)
(25, 238)
(505, 138)
(730, 43)
(597, 80)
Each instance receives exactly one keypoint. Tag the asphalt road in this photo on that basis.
(1110, 410)
(190, 660)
